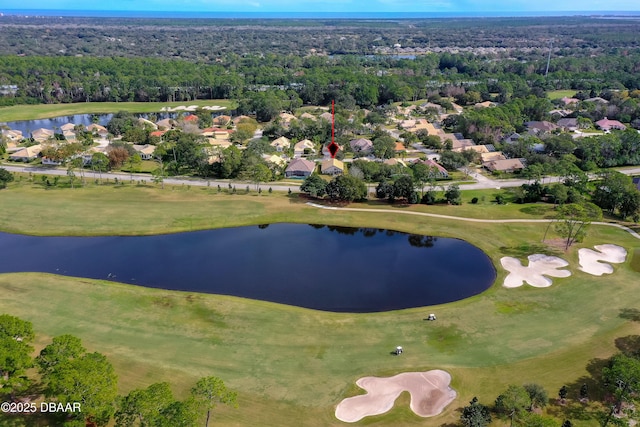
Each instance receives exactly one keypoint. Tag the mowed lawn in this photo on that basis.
(45, 111)
(291, 366)
(558, 94)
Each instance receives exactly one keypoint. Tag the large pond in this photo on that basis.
(314, 266)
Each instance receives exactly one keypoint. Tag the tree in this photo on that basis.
(452, 195)
(117, 156)
(210, 391)
(384, 147)
(562, 393)
(16, 336)
(573, 219)
(5, 177)
(260, 172)
(134, 163)
(158, 175)
(314, 186)
(475, 415)
(88, 379)
(99, 163)
(622, 379)
(144, 407)
(403, 188)
(346, 188)
(537, 394)
(179, 414)
(61, 350)
(513, 402)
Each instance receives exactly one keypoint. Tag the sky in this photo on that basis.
(340, 6)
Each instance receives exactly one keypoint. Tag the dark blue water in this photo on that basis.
(318, 267)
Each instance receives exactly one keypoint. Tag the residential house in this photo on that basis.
(98, 129)
(145, 151)
(308, 116)
(569, 101)
(166, 124)
(597, 100)
(12, 134)
(217, 133)
(490, 156)
(606, 124)
(431, 106)
(485, 104)
(70, 136)
(332, 167)
(67, 127)
(326, 116)
(158, 133)
(286, 118)
(478, 148)
(238, 119)
(511, 139)
(274, 160)
(190, 119)
(400, 148)
(42, 134)
(303, 147)
(438, 170)
(26, 154)
(222, 120)
(569, 124)
(147, 123)
(281, 143)
(459, 145)
(299, 168)
(540, 128)
(504, 165)
(361, 145)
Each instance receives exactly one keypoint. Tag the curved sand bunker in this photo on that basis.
(589, 259)
(430, 394)
(539, 266)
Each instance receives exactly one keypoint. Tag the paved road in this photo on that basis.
(483, 182)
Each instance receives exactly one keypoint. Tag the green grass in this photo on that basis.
(291, 366)
(44, 111)
(558, 94)
(635, 261)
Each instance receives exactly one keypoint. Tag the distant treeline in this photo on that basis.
(349, 79)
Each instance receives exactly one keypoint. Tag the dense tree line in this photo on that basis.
(69, 375)
(291, 81)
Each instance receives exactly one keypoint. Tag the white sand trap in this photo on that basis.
(430, 394)
(534, 274)
(590, 260)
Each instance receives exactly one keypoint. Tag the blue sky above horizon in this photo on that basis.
(324, 6)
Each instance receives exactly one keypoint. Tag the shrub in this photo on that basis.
(474, 200)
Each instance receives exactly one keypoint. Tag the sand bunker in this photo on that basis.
(590, 260)
(430, 394)
(193, 108)
(534, 274)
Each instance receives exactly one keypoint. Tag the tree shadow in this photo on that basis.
(629, 345)
(524, 250)
(630, 314)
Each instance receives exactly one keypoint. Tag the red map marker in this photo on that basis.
(333, 147)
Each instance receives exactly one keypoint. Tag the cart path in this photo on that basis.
(457, 218)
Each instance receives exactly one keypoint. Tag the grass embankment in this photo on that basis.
(291, 366)
(45, 111)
